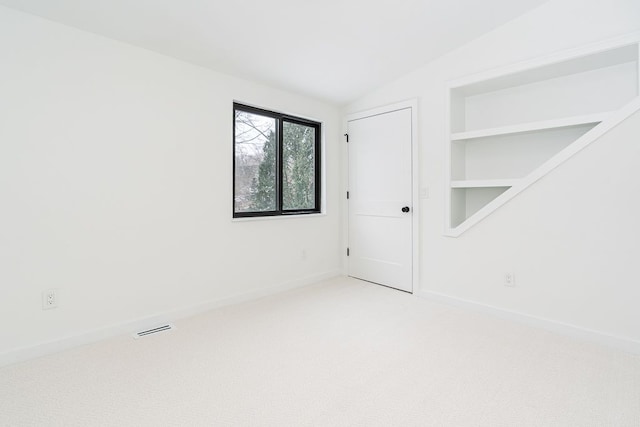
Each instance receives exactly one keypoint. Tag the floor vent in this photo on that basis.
(153, 331)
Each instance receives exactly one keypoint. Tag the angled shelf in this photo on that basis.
(510, 127)
(531, 127)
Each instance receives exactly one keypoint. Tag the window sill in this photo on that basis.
(278, 217)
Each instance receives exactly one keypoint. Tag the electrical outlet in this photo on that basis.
(510, 280)
(49, 299)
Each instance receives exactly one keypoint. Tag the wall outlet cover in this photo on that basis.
(49, 299)
(510, 280)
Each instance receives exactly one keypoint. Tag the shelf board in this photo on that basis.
(552, 67)
(532, 126)
(483, 183)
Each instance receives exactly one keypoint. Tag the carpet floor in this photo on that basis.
(340, 353)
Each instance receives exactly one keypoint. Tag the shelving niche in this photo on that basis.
(504, 126)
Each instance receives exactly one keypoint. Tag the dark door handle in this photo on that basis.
(405, 209)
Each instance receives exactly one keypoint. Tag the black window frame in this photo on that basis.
(280, 119)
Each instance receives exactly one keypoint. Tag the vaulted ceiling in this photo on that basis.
(335, 50)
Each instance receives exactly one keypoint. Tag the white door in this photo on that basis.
(380, 194)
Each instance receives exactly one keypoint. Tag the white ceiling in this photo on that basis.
(335, 50)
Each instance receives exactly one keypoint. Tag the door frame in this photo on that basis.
(415, 185)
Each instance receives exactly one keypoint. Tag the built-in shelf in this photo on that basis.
(531, 127)
(483, 183)
(512, 126)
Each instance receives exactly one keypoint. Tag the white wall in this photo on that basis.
(115, 187)
(572, 238)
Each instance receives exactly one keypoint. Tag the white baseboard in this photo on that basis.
(573, 331)
(128, 327)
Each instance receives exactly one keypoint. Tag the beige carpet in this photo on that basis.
(340, 353)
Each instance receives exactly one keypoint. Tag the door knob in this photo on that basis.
(405, 209)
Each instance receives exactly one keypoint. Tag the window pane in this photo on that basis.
(298, 166)
(255, 154)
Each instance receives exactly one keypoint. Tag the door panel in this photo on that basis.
(380, 179)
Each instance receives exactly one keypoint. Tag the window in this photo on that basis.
(276, 163)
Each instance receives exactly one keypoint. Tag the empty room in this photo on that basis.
(338, 213)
